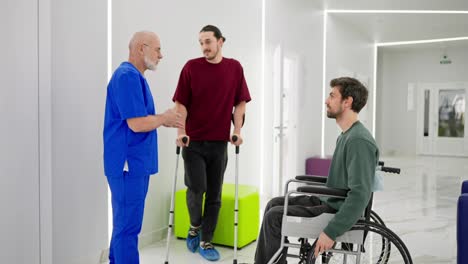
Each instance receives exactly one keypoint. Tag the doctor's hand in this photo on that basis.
(323, 244)
(172, 119)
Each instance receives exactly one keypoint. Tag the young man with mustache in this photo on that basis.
(209, 88)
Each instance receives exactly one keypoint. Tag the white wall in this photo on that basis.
(296, 26)
(19, 152)
(54, 193)
(240, 22)
(45, 129)
(349, 53)
(78, 87)
(396, 126)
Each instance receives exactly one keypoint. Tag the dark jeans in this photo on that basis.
(205, 163)
(269, 240)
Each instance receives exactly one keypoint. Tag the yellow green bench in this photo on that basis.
(248, 217)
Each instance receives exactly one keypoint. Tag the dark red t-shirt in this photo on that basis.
(209, 92)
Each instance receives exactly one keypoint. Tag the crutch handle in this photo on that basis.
(184, 140)
(234, 139)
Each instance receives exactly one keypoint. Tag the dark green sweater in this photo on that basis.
(353, 169)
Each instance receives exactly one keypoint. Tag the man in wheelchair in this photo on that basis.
(352, 169)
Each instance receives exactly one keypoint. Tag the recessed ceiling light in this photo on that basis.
(383, 44)
(396, 11)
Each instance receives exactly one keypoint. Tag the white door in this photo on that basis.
(441, 119)
(285, 118)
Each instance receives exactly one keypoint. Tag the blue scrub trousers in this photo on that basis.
(128, 202)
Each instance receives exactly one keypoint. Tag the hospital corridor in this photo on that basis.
(243, 132)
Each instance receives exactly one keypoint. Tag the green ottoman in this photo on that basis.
(248, 217)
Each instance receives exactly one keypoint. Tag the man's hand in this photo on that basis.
(323, 244)
(238, 141)
(172, 119)
(179, 141)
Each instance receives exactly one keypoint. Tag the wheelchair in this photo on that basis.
(369, 240)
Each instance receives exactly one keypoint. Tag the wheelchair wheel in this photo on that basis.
(381, 246)
(386, 245)
(376, 218)
(374, 245)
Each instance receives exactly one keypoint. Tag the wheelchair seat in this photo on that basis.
(311, 227)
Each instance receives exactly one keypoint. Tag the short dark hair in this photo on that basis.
(215, 30)
(350, 87)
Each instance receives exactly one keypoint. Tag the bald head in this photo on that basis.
(141, 38)
(145, 50)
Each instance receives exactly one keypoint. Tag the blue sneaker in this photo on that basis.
(193, 239)
(208, 251)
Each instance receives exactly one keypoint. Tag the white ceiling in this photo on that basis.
(401, 27)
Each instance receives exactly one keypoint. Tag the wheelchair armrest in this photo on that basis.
(301, 180)
(323, 191)
(312, 178)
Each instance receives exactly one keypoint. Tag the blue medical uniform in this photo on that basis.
(128, 96)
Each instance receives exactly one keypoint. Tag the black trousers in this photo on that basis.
(269, 240)
(205, 163)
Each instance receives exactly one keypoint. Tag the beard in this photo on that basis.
(149, 64)
(335, 114)
(331, 115)
(207, 54)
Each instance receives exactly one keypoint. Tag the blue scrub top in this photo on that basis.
(128, 96)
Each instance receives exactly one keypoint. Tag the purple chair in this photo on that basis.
(462, 227)
(318, 165)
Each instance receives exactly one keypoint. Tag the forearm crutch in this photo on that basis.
(236, 200)
(171, 212)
